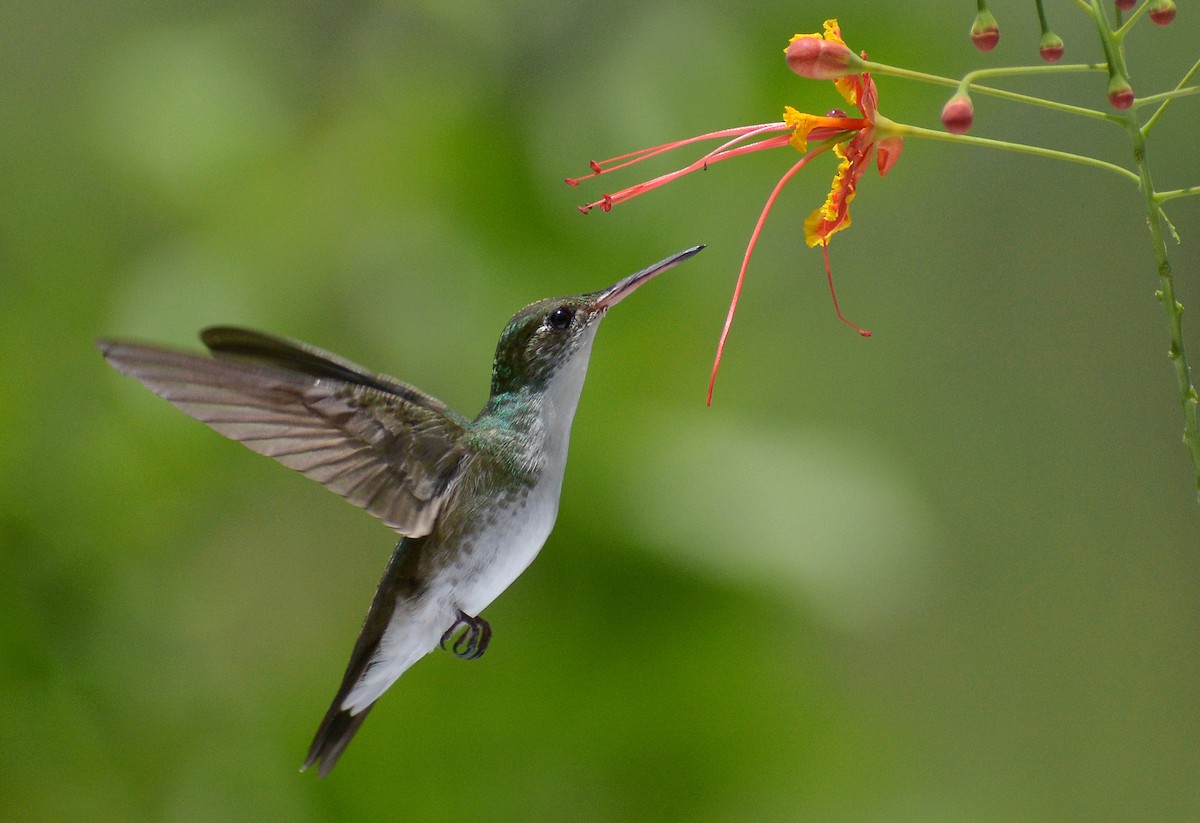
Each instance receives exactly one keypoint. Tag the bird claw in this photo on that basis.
(474, 639)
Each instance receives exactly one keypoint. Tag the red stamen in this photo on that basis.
(733, 147)
(723, 152)
(833, 293)
(738, 134)
(737, 289)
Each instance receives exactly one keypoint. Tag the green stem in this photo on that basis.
(1163, 196)
(1166, 295)
(886, 126)
(1187, 78)
(967, 81)
(1123, 29)
(1165, 96)
(1042, 18)
(1113, 45)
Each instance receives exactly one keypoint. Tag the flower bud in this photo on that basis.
(1125, 5)
(1120, 93)
(1162, 12)
(958, 114)
(813, 57)
(985, 31)
(1051, 47)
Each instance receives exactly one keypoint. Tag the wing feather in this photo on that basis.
(384, 446)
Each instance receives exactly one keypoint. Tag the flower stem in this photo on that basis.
(1041, 12)
(1133, 18)
(1166, 96)
(1163, 196)
(1166, 294)
(968, 82)
(1021, 148)
(1187, 78)
(1113, 45)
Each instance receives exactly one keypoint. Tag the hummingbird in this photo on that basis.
(473, 500)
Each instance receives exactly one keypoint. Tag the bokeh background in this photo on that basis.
(950, 573)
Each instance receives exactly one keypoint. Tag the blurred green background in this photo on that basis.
(950, 573)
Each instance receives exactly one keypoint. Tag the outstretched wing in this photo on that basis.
(384, 446)
(293, 355)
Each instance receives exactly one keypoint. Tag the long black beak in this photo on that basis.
(617, 292)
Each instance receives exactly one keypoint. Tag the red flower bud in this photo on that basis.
(816, 58)
(1051, 47)
(1120, 93)
(1162, 12)
(985, 31)
(958, 114)
(1125, 5)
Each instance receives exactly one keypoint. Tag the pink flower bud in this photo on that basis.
(1120, 93)
(1125, 5)
(815, 58)
(985, 31)
(1051, 47)
(958, 114)
(1162, 12)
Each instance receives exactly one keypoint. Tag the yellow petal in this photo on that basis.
(849, 87)
(819, 226)
(811, 224)
(801, 123)
(833, 31)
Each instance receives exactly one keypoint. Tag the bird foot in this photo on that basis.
(474, 639)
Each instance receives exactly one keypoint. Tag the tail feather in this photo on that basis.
(363, 685)
(393, 637)
(332, 737)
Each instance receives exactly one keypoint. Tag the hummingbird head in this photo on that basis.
(554, 336)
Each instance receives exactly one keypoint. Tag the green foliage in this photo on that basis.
(948, 573)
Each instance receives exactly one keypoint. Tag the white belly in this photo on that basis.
(497, 555)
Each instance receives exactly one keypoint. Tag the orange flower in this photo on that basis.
(855, 140)
(859, 90)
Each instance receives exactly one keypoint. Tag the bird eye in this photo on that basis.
(560, 318)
